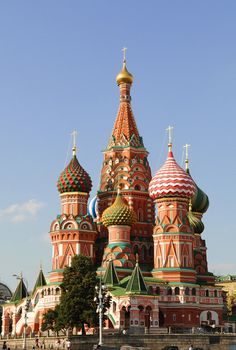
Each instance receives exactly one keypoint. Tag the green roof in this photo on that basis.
(40, 282)
(136, 284)
(110, 277)
(20, 292)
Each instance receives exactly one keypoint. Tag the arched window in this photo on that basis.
(114, 307)
(169, 291)
(135, 249)
(215, 293)
(141, 308)
(140, 214)
(144, 253)
(187, 292)
(158, 291)
(207, 293)
(185, 261)
(176, 290)
(194, 291)
(209, 316)
(150, 290)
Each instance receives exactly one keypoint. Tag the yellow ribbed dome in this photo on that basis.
(118, 214)
(124, 76)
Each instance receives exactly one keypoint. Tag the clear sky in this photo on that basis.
(58, 63)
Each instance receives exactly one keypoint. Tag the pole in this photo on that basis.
(100, 313)
(24, 334)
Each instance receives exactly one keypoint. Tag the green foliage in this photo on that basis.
(231, 302)
(77, 305)
(51, 320)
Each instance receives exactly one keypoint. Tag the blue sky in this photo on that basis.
(58, 63)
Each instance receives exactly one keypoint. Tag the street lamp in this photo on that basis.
(101, 299)
(26, 308)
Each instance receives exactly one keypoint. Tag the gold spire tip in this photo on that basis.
(124, 76)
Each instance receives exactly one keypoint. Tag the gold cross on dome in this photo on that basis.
(74, 136)
(124, 53)
(170, 133)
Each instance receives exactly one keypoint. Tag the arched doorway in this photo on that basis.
(161, 318)
(148, 316)
(126, 316)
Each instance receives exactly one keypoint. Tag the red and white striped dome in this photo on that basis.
(171, 181)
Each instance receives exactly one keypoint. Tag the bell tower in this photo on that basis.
(125, 165)
(171, 189)
(73, 232)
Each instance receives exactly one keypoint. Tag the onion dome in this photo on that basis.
(92, 207)
(118, 214)
(200, 201)
(195, 223)
(124, 76)
(74, 178)
(171, 181)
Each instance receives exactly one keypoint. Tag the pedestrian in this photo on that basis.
(4, 345)
(191, 347)
(36, 343)
(58, 343)
(68, 344)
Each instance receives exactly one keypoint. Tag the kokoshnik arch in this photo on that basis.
(155, 266)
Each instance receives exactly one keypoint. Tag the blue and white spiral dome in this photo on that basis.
(92, 207)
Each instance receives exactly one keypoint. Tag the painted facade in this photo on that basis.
(154, 266)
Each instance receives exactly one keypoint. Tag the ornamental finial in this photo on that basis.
(186, 147)
(170, 137)
(74, 135)
(124, 54)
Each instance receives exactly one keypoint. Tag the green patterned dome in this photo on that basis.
(118, 214)
(200, 201)
(74, 178)
(196, 223)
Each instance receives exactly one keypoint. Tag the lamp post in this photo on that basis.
(26, 308)
(101, 299)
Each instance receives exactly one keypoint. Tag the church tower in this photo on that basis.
(73, 232)
(171, 188)
(119, 218)
(198, 206)
(126, 166)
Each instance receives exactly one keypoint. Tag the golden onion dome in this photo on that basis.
(118, 214)
(124, 76)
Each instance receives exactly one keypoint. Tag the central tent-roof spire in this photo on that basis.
(125, 132)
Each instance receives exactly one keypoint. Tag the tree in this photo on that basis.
(52, 320)
(231, 302)
(77, 306)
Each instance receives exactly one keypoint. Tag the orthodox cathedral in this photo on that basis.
(153, 261)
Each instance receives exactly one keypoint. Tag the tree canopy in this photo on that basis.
(77, 306)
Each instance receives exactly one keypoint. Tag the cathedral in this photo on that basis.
(143, 232)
